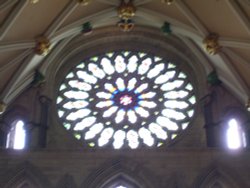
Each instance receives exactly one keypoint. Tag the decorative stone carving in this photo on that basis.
(211, 44)
(42, 46)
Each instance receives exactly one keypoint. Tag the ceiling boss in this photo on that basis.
(126, 11)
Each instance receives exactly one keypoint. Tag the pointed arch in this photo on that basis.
(120, 171)
(26, 175)
(218, 177)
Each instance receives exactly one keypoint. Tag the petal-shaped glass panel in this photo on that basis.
(172, 85)
(169, 113)
(120, 116)
(141, 88)
(96, 71)
(132, 138)
(94, 130)
(132, 64)
(75, 104)
(104, 95)
(103, 104)
(131, 84)
(120, 84)
(80, 85)
(141, 112)
(109, 87)
(119, 138)
(176, 94)
(86, 122)
(158, 131)
(146, 136)
(132, 117)
(76, 95)
(156, 70)
(120, 65)
(147, 104)
(110, 111)
(107, 66)
(148, 95)
(105, 136)
(165, 122)
(176, 104)
(78, 114)
(144, 66)
(161, 79)
(86, 77)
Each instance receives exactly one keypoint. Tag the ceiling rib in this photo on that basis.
(70, 7)
(18, 76)
(161, 18)
(7, 4)
(19, 88)
(16, 60)
(192, 18)
(10, 20)
(238, 77)
(242, 17)
(198, 53)
(234, 43)
(58, 48)
(76, 26)
(13, 81)
(109, 2)
(142, 2)
(235, 56)
(18, 45)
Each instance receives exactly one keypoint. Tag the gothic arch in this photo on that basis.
(123, 170)
(27, 174)
(218, 177)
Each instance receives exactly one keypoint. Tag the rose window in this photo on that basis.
(126, 99)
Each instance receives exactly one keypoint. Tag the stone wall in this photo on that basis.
(148, 168)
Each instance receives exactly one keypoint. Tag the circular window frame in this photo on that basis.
(148, 39)
(178, 71)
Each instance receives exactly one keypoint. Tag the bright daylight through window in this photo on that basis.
(126, 99)
(16, 136)
(235, 135)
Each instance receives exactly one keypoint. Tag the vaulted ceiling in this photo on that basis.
(22, 21)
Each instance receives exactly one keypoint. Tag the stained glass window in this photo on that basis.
(126, 99)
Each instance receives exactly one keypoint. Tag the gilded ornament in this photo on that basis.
(126, 25)
(42, 46)
(211, 44)
(126, 10)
